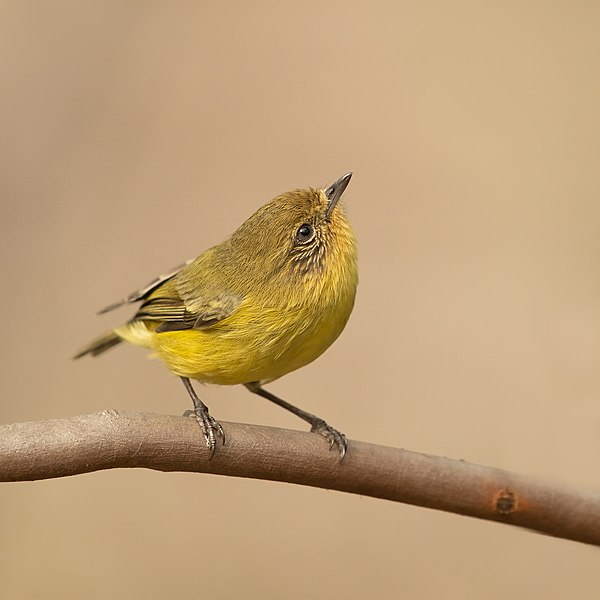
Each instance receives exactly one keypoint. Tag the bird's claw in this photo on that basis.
(211, 428)
(333, 436)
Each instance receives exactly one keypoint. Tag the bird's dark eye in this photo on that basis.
(305, 233)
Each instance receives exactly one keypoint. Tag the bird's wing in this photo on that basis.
(175, 314)
(143, 292)
(199, 297)
(190, 296)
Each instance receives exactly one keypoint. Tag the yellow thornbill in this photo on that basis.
(267, 301)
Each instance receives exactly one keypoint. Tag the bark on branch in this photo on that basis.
(110, 439)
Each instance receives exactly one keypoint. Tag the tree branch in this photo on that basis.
(109, 440)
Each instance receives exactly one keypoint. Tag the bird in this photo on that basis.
(266, 301)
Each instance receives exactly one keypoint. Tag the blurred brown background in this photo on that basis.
(136, 134)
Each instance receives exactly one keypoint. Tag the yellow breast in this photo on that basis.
(254, 344)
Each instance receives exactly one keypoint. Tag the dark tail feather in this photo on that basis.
(100, 345)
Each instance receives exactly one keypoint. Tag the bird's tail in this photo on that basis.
(99, 345)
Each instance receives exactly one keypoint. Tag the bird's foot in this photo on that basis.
(211, 428)
(333, 436)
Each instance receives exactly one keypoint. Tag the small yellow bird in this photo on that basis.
(267, 301)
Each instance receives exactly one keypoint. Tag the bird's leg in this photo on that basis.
(317, 425)
(210, 427)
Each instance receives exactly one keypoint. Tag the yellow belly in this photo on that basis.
(251, 345)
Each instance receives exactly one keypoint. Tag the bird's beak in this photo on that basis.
(334, 192)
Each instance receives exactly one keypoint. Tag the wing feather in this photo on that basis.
(162, 302)
(146, 290)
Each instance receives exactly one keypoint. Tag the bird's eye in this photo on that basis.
(305, 233)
